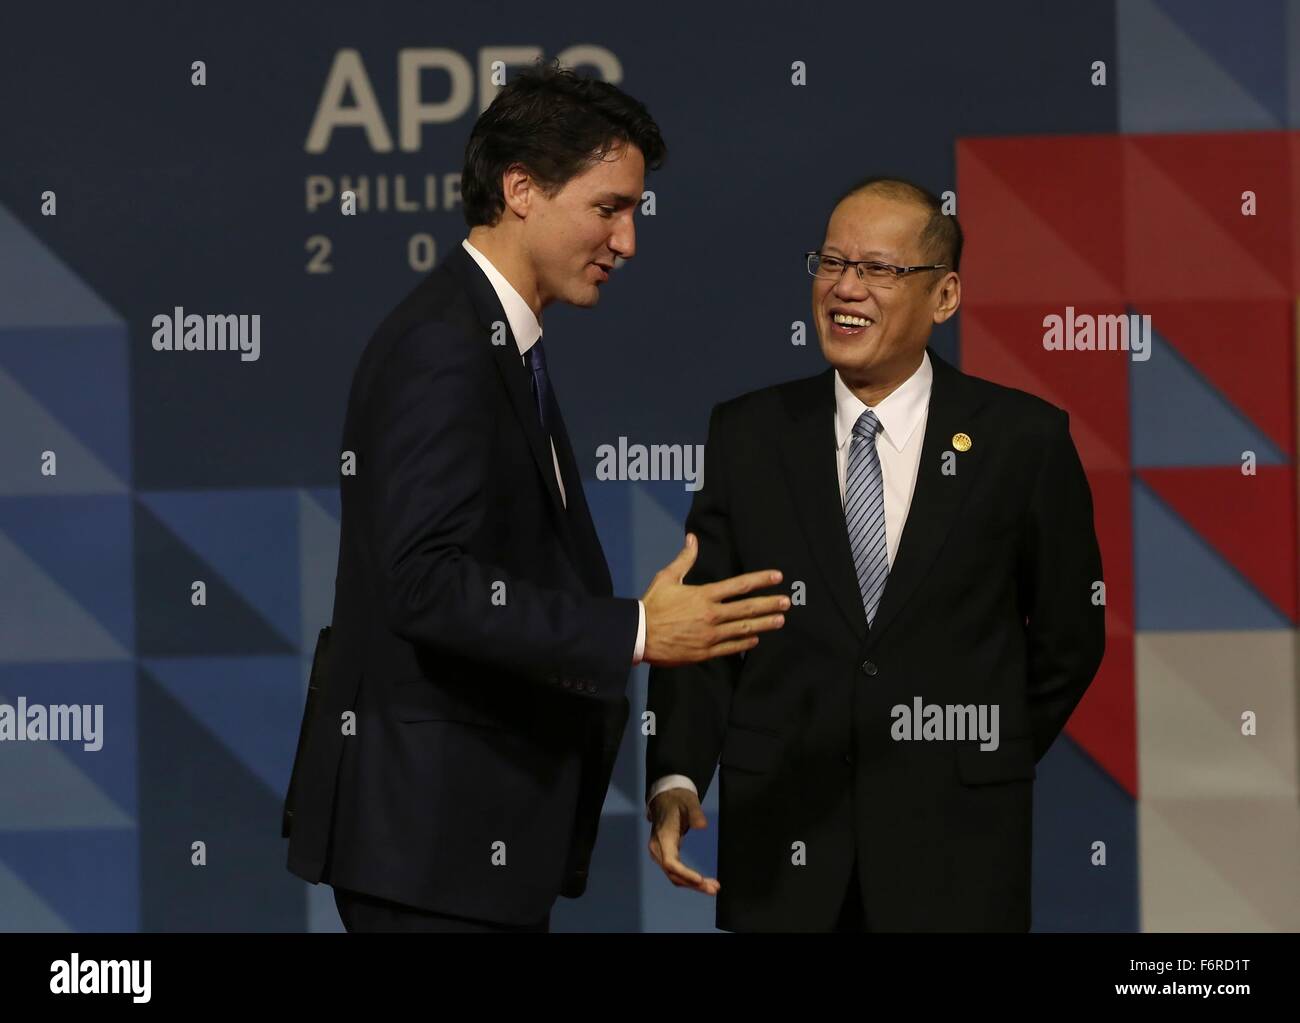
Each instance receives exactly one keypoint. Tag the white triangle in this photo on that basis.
(37, 288)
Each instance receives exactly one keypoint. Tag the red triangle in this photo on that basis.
(1293, 171)
(1015, 253)
(1249, 520)
(1213, 170)
(1105, 722)
(1177, 251)
(1246, 350)
(1005, 344)
(1074, 184)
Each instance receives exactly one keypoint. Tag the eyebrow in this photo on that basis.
(618, 199)
(873, 254)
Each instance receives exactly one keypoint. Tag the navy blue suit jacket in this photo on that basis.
(475, 635)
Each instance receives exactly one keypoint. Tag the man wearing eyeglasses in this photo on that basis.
(935, 533)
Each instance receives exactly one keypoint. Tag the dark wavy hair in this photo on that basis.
(941, 238)
(556, 123)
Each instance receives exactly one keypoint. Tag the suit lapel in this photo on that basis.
(936, 498)
(592, 556)
(808, 455)
(515, 377)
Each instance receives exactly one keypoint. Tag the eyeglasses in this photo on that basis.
(870, 271)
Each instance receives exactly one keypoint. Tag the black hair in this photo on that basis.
(941, 238)
(554, 122)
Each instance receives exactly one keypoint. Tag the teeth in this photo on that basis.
(844, 319)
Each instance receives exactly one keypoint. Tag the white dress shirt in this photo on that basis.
(527, 330)
(902, 414)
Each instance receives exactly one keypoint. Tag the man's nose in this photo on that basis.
(850, 286)
(623, 241)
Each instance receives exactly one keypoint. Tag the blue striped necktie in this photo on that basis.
(864, 513)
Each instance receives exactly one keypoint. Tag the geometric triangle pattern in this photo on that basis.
(43, 456)
(42, 621)
(1074, 889)
(1189, 445)
(35, 361)
(1182, 582)
(248, 538)
(47, 293)
(170, 623)
(1218, 811)
(1249, 50)
(248, 704)
(1165, 57)
(88, 782)
(1246, 519)
(73, 543)
(1179, 418)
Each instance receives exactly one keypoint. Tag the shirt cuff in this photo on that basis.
(640, 633)
(671, 781)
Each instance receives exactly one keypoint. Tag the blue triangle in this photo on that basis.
(1177, 418)
(611, 511)
(251, 705)
(1249, 43)
(1077, 803)
(94, 401)
(250, 537)
(89, 876)
(84, 543)
(111, 768)
(47, 291)
(1160, 65)
(1180, 583)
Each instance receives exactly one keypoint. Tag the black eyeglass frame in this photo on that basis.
(898, 272)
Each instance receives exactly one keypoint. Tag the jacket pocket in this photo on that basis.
(1013, 760)
(420, 700)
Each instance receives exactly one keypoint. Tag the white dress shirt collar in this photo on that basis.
(899, 412)
(523, 321)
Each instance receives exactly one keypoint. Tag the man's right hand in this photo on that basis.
(686, 624)
(672, 813)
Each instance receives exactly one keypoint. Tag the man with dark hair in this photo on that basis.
(452, 774)
(878, 753)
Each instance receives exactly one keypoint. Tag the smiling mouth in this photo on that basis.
(846, 325)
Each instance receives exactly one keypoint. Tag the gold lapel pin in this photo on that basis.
(961, 441)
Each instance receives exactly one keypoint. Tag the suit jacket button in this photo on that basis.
(848, 758)
(591, 687)
(869, 668)
(568, 683)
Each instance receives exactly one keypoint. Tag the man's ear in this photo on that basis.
(518, 189)
(949, 297)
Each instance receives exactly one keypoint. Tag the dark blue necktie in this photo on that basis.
(541, 385)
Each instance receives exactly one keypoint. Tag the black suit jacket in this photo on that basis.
(989, 601)
(475, 637)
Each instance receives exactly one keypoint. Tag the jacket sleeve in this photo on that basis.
(1060, 565)
(691, 704)
(429, 445)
